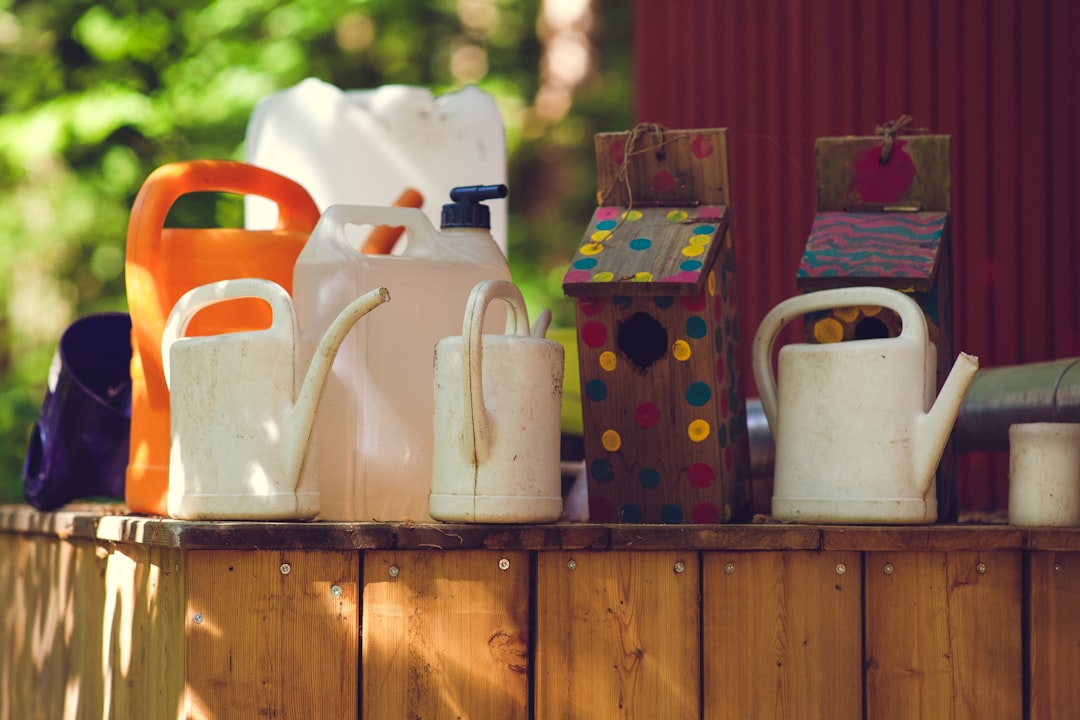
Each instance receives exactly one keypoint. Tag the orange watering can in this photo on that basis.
(164, 263)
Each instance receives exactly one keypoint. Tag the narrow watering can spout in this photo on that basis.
(301, 415)
(932, 429)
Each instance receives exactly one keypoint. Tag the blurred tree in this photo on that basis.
(95, 95)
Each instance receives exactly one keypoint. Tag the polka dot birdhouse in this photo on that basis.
(883, 219)
(653, 281)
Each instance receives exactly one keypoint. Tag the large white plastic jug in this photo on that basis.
(373, 437)
(364, 147)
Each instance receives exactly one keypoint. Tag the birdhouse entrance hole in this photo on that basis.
(643, 339)
(870, 328)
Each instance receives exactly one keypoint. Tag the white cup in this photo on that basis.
(1044, 474)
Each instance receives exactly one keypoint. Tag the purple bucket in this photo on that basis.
(79, 445)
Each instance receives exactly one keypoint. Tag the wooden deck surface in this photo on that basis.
(108, 615)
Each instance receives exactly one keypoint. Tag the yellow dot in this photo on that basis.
(698, 430)
(693, 250)
(600, 235)
(681, 350)
(632, 215)
(642, 276)
(727, 512)
(871, 310)
(603, 276)
(828, 330)
(700, 239)
(712, 283)
(677, 215)
(611, 441)
(847, 314)
(608, 360)
(591, 248)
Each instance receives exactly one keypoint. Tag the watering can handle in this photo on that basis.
(911, 316)
(203, 296)
(483, 294)
(423, 238)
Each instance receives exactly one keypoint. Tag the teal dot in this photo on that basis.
(602, 471)
(640, 244)
(605, 225)
(630, 513)
(696, 327)
(623, 302)
(585, 263)
(671, 514)
(690, 265)
(664, 301)
(721, 341)
(596, 390)
(698, 394)
(649, 477)
(704, 230)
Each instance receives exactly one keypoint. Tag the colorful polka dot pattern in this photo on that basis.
(645, 246)
(699, 426)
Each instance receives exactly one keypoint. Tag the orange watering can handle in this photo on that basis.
(297, 212)
(164, 186)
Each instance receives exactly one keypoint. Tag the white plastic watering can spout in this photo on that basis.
(300, 417)
(932, 429)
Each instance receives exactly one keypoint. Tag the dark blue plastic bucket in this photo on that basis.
(79, 445)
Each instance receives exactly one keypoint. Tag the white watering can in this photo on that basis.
(240, 431)
(498, 402)
(858, 432)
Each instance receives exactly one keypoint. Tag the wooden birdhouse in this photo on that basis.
(653, 280)
(883, 215)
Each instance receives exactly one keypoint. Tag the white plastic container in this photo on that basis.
(364, 147)
(373, 436)
(498, 404)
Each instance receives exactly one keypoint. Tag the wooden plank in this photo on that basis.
(272, 634)
(943, 639)
(618, 635)
(651, 165)
(82, 633)
(782, 635)
(138, 619)
(1054, 640)
(446, 635)
(924, 538)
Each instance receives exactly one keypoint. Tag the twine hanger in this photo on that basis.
(629, 151)
(891, 129)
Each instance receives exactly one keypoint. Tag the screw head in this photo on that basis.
(1057, 568)
(571, 564)
(286, 568)
(197, 618)
(680, 566)
(981, 568)
(888, 568)
(729, 568)
(841, 568)
(335, 590)
(504, 564)
(394, 570)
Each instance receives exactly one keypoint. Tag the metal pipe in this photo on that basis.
(997, 398)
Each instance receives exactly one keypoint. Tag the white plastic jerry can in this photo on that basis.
(373, 438)
(498, 402)
(364, 147)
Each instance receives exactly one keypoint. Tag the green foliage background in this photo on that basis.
(95, 95)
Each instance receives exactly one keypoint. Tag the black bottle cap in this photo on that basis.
(468, 210)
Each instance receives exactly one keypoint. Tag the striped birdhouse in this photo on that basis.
(883, 215)
(653, 280)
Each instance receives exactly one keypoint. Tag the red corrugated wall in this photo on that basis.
(1002, 77)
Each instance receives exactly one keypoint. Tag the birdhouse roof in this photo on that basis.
(646, 251)
(895, 249)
